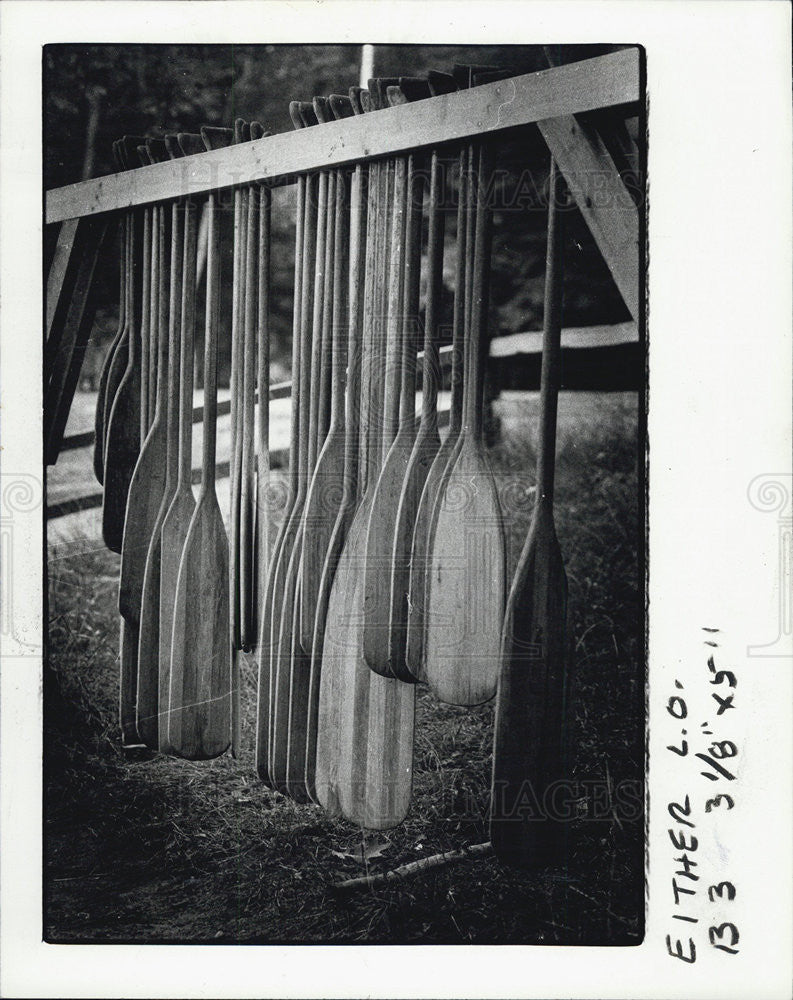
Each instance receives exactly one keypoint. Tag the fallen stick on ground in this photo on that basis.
(413, 868)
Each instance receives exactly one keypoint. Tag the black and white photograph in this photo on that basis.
(396, 499)
(350, 461)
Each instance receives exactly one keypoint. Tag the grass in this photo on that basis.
(140, 847)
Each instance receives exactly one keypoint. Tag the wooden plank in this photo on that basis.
(61, 270)
(565, 90)
(68, 359)
(603, 199)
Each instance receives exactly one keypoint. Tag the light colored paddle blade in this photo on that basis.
(145, 496)
(199, 720)
(420, 552)
(419, 466)
(530, 710)
(148, 711)
(173, 537)
(322, 509)
(465, 604)
(365, 722)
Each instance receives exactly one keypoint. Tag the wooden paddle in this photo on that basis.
(327, 483)
(147, 487)
(305, 235)
(365, 721)
(421, 547)
(530, 710)
(327, 487)
(247, 471)
(345, 419)
(465, 603)
(289, 705)
(262, 491)
(118, 352)
(167, 414)
(427, 441)
(125, 418)
(199, 720)
(124, 422)
(387, 537)
(179, 498)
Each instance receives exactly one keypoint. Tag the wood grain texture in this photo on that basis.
(199, 719)
(365, 721)
(383, 517)
(531, 707)
(576, 87)
(465, 602)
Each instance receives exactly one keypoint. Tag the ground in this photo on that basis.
(141, 847)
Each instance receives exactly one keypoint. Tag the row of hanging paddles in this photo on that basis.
(388, 567)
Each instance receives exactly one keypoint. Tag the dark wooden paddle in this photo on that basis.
(269, 633)
(290, 692)
(247, 473)
(128, 402)
(530, 710)
(118, 352)
(365, 721)
(147, 486)
(199, 721)
(263, 498)
(123, 425)
(465, 603)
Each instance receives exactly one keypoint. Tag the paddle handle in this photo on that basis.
(474, 390)
(187, 345)
(263, 369)
(326, 364)
(319, 349)
(212, 319)
(552, 331)
(432, 312)
(342, 319)
(395, 333)
(414, 195)
(163, 332)
(357, 285)
(174, 347)
(145, 317)
(459, 312)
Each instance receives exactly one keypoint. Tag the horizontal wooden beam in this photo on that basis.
(602, 82)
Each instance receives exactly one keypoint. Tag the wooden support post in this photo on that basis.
(71, 329)
(601, 196)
